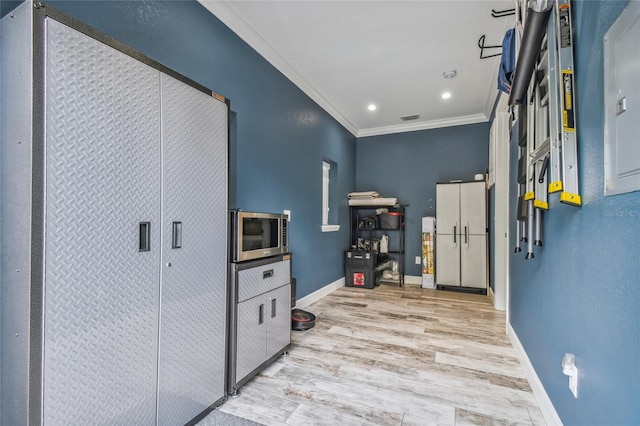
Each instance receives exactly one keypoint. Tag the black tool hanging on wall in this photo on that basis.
(502, 13)
(483, 46)
(535, 29)
(481, 40)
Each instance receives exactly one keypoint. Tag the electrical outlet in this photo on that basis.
(418, 260)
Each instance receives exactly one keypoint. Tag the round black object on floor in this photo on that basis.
(302, 320)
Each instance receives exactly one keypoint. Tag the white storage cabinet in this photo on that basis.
(461, 230)
(113, 232)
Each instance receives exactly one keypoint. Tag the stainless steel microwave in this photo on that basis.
(257, 235)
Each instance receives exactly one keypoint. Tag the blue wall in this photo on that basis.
(581, 293)
(279, 135)
(408, 166)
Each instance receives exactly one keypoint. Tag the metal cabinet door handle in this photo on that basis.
(261, 314)
(454, 234)
(176, 235)
(273, 308)
(267, 274)
(144, 240)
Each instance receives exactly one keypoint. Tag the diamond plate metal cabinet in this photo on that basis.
(84, 134)
(193, 316)
(260, 329)
(101, 293)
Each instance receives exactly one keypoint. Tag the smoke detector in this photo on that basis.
(448, 75)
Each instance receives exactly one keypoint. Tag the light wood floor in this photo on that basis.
(394, 356)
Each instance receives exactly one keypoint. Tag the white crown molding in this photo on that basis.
(224, 11)
(424, 125)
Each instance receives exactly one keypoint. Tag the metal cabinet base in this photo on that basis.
(259, 317)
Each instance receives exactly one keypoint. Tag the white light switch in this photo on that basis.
(288, 213)
(569, 368)
(418, 260)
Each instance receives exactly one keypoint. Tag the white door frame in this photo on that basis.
(500, 132)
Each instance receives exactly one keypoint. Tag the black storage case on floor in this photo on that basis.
(362, 258)
(360, 269)
(360, 277)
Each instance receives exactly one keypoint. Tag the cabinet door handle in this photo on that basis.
(261, 314)
(176, 235)
(145, 236)
(454, 234)
(267, 274)
(466, 240)
(273, 308)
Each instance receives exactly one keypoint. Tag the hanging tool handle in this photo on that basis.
(543, 169)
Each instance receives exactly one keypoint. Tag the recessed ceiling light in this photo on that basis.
(372, 107)
(449, 74)
(446, 95)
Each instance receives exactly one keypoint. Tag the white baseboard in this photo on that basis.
(546, 406)
(319, 294)
(412, 279)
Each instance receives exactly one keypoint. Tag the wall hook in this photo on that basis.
(482, 46)
(502, 13)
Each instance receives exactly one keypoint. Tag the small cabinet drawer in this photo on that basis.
(255, 281)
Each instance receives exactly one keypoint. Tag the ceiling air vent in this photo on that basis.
(410, 117)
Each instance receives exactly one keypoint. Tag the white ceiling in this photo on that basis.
(348, 54)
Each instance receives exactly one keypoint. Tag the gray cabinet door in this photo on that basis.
(473, 219)
(473, 208)
(448, 259)
(448, 234)
(251, 335)
(279, 319)
(193, 287)
(448, 209)
(473, 262)
(101, 294)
